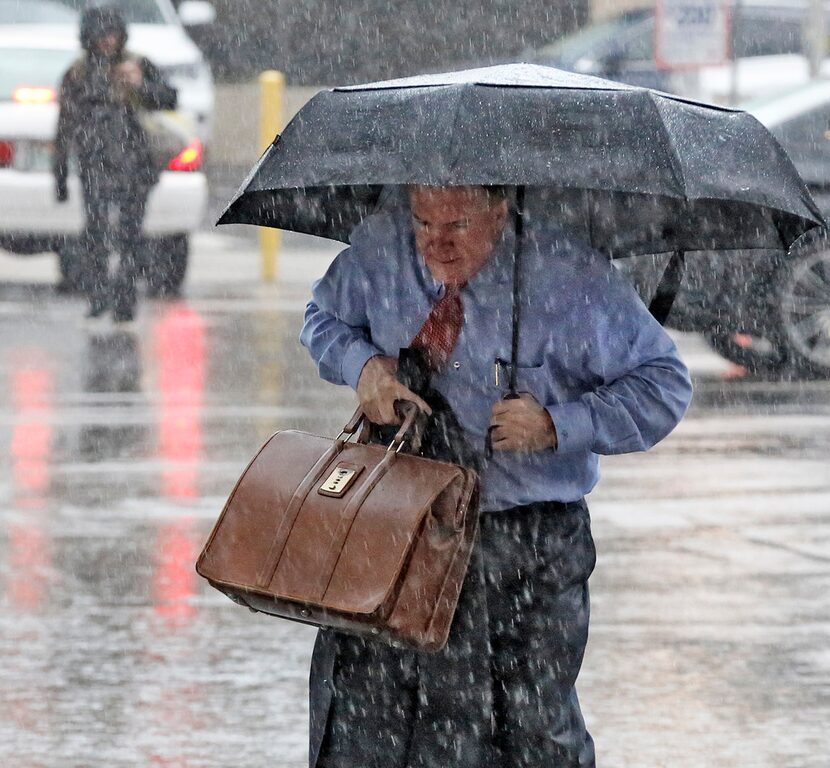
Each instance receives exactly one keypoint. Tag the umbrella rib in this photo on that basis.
(677, 168)
(453, 149)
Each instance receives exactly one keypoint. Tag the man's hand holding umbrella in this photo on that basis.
(521, 424)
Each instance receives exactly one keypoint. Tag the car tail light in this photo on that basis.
(189, 159)
(6, 153)
(31, 94)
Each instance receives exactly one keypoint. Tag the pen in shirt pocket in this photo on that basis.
(501, 379)
(501, 373)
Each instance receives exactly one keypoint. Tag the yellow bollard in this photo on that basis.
(271, 88)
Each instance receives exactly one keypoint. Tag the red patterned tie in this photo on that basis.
(439, 333)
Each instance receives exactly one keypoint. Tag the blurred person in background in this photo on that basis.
(102, 97)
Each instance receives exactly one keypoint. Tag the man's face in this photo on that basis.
(456, 229)
(107, 45)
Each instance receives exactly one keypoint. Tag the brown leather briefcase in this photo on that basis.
(358, 537)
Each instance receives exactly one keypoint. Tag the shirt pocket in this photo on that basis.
(535, 380)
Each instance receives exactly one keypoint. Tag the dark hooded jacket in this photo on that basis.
(99, 119)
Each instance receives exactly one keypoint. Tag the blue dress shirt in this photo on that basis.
(589, 350)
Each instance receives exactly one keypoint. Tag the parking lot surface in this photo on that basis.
(711, 597)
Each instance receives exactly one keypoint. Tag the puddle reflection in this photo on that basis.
(174, 578)
(29, 551)
(32, 395)
(179, 351)
(113, 366)
(113, 363)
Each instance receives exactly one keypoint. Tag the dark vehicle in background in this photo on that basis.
(767, 311)
(622, 48)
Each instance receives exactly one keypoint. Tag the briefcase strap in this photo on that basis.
(269, 567)
(344, 524)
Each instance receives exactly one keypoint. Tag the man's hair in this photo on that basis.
(496, 193)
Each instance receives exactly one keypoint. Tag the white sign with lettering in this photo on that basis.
(692, 33)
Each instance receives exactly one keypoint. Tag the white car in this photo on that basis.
(759, 77)
(31, 220)
(154, 29)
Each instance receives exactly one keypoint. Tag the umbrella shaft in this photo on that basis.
(514, 343)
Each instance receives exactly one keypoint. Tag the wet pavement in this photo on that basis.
(710, 640)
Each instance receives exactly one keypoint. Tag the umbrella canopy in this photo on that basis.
(643, 171)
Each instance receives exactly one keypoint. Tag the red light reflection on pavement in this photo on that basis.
(31, 443)
(174, 579)
(179, 349)
(179, 352)
(32, 437)
(169, 762)
(28, 565)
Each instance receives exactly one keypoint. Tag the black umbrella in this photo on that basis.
(644, 171)
(640, 171)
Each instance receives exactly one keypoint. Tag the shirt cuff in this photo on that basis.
(357, 355)
(574, 427)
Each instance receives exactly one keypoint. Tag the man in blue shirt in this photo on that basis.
(596, 375)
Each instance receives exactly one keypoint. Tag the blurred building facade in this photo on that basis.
(328, 41)
(605, 9)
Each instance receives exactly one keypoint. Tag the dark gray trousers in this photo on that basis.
(502, 692)
(103, 235)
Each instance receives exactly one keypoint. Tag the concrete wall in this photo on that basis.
(236, 126)
(237, 104)
(343, 41)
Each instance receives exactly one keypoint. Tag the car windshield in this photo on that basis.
(68, 11)
(32, 67)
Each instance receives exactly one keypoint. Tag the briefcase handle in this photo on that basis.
(353, 424)
(410, 414)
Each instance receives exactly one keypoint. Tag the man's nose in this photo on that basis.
(440, 237)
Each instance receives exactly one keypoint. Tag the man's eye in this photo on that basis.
(461, 225)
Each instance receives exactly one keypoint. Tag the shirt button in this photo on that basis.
(456, 365)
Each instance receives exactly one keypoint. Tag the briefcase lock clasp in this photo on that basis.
(339, 480)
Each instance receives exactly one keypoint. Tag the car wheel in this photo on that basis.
(803, 298)
(166, 265)
(758, 354)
